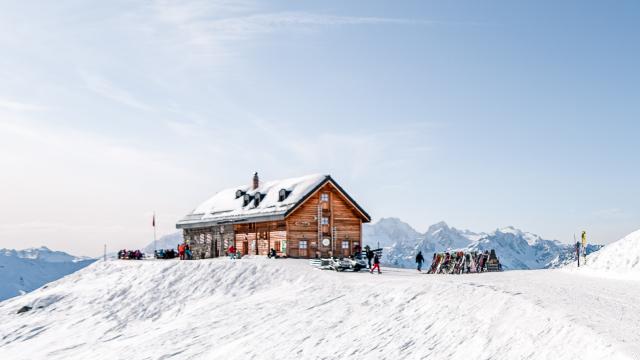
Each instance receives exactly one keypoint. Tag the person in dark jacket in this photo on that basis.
(369, 256)
(376, 264)
(419, 260)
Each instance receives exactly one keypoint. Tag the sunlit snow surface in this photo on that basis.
(256, 308)
(619, 260)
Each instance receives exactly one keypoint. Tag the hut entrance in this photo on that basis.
(245, 247)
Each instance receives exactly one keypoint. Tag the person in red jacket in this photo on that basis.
(376, 264)
(181, 251)
(232, 252)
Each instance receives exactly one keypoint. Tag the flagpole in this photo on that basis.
(154, 235)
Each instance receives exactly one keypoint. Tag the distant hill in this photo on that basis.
(26, 270)
(169, 241)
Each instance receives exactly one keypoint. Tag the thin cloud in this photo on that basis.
(40, 226)
(610, 214)
(13, 105)
(109, 90)
(213, 25)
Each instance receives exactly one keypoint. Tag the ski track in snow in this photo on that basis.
(256, 308)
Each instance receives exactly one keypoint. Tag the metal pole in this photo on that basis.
(154, 235)
(105, 252)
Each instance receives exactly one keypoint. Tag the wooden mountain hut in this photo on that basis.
(304, 217)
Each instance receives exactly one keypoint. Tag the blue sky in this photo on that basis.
(480, 113)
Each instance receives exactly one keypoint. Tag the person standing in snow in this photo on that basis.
(181, 251)
(376, 263)
(369, 256)
(419, 260)
(232, 252)
(188, 253)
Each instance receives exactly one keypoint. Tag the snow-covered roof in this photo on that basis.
(225, 207)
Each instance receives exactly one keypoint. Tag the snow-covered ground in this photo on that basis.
(256, 308)
(620, 260)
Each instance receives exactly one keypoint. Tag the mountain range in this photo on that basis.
(22, 271)
(515, 248)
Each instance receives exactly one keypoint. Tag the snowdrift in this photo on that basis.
(619, 259)
(257, 308)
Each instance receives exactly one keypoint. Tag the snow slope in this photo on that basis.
(619, 259)
(25, 270)
(256, 308)
(516, 249)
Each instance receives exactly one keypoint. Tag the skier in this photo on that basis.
(369, 256)
(419, 260)
(376, 264)
(232, 252)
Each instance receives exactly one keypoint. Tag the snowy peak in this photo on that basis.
(444, 237)
(42, 253)
(530, 238)
(389, 231)
(437, 227)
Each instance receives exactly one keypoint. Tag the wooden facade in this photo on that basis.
(325, 222)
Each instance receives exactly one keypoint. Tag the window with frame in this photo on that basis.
(345, 244)
(302, 244)
(324, 221)
(324, 197)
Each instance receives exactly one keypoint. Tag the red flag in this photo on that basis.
(153, 222)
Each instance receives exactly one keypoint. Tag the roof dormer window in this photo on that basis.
(283, 193)
(246, 199)
(239, 193)
(257, 198)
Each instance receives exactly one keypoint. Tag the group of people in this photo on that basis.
(184, 252)
(460, 262)
(166, 254)
(125, 254)
(373, 256)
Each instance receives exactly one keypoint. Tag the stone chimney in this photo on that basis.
(256, 181)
